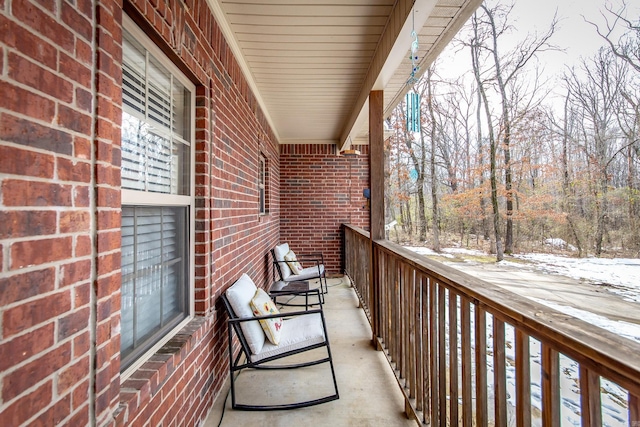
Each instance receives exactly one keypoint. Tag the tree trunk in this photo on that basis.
(422, 217)
(601, 209)
(432, 164)
(506, 140)
(492, 149)
(419, 166)
(486, 230)
(566, 183)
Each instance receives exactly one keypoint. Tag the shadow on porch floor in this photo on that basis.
(369, 394)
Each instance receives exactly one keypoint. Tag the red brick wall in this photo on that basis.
(60, 113)
(48, 200)
(320, 190)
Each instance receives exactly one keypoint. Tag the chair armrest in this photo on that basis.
(309, 261)
(311, 257)
(275, 316)
(312, 254)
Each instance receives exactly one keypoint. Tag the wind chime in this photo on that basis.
(413, 98)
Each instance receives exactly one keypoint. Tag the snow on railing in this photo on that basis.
(505, 359)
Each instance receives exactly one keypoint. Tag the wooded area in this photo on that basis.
(498, 159)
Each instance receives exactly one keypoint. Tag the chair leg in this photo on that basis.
(296, 405)
(231, 363)
(333, 372)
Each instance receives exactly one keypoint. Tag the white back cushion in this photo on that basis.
(240, 295)
(280, 252)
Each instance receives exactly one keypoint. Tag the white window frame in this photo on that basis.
(142, 198)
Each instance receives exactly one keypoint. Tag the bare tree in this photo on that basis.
(596, 97)
(432, 161)
(626, 47)
(507, 69)
(566, 181)
(476, 45)
(418, 158)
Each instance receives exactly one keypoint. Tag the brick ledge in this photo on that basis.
(144, 383)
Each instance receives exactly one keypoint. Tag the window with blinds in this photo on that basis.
(157, 199)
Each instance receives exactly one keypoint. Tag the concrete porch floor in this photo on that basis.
(369, 393)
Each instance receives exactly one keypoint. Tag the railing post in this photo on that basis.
(376, 211)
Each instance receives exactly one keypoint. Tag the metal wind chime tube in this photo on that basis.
(413, 98)
(413, 112)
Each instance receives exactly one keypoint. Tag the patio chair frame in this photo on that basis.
(317, 258)
(236, 364)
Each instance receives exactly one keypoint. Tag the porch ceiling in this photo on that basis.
(312, 63)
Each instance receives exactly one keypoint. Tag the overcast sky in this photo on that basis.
(578, 37)
(574, 35)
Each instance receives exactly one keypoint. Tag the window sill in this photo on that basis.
(137, 391)
(263, 217)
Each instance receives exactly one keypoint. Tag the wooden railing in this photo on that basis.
(505, 359)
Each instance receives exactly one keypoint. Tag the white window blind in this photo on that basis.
(153, 267)
(155, 125)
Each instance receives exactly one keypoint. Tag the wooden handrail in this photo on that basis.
(408, 280)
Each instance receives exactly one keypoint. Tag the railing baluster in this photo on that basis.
(390, 284)
(413, 334)
(433, 345)
(405, 313)
(388, 274)
(481, 366)
(419, 349)
(400, 323)
(397, 326)
(550, 387)
(467, 402)
(382, 286)
(386, 293)
(590, 402)
(442, 354)
(523, 380)
(453, 358)
(634, 410)
(426, 359)
(499, 373)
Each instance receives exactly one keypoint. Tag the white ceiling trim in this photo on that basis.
(455, 24)
(309, 141)
(420, 13)
(221, 19)
(416, 19)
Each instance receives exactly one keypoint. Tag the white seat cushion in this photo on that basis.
(240, 295)
(296, 333)
(280, 252)
(306, 273)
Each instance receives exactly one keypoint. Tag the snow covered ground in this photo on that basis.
(622, 275)
(619, 276)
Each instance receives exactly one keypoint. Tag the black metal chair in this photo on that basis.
(314, 270)
(301, 331)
